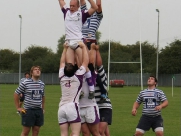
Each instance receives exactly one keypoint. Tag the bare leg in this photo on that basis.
(107, 131)
(102, 128)
(85, 129)
(70, 57)
(75, 128)
(35, 130)
(92, 54)
(64, 129)
(94, 128)
(78, 52)
(159, 133)
(25, 131)
(138, 133)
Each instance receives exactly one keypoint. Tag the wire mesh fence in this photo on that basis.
(131, 79)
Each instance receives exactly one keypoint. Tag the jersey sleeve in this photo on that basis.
(99, 15)
(61, 73)
(84, 7)
(21, 88)
(162, 96)
(140, 98)
(80, 71)
(85, 15)
(43, 86)
(64, 10)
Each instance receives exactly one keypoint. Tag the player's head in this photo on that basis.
(152, 80)
(74, 5)
(27, 75)
(35, 71)
(69, 69)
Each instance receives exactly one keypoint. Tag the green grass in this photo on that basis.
(123, 123)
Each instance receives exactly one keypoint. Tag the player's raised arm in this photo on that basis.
(82, 2)
(93, 7)
(62, 59)
(62, 3)
(99, 5)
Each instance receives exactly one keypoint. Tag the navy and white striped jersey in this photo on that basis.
(33, 92)
(107, 103)
(91, 25)
(151, 99)
(23, 79)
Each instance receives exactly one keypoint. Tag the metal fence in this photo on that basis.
(131, 79)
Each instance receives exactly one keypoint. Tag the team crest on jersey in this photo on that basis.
(68, 84)
(157, 95)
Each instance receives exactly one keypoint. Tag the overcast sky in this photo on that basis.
(129, 21)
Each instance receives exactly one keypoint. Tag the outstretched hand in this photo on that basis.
(97, 47)
(65, 45)
(158, 108)
(134, 111)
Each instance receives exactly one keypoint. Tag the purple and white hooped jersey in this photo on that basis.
(74, 22)
(71, 86)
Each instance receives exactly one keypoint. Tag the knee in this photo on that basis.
(93, 46)
(85, 133)
(137, 133)
(96, 133)
(36, 131)
(101, 131)
(159, 133)
(24, 133)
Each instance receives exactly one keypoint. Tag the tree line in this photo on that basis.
(169, 57)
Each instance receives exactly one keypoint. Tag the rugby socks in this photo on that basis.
(93, 73)
(89, 81)
(94, 76)
(101, 86)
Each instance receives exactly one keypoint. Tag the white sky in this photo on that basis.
(128, 20)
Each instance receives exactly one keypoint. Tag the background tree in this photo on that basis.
(170, 58)
(98, 36)
(61, 41)
(42, 56)
(8, 58)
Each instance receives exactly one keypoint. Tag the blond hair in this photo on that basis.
(32, 68)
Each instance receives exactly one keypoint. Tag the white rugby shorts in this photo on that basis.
(90, 114)
(69, 113)
(73, 44)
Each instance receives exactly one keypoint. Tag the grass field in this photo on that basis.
(123, 123)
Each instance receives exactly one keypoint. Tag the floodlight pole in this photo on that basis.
(108, 70)
(20, 49)
(157, 45)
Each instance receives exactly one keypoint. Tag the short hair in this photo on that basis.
(76, 67)
(27, 73)
(69, 69)
(32, 68)
(154, 78)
